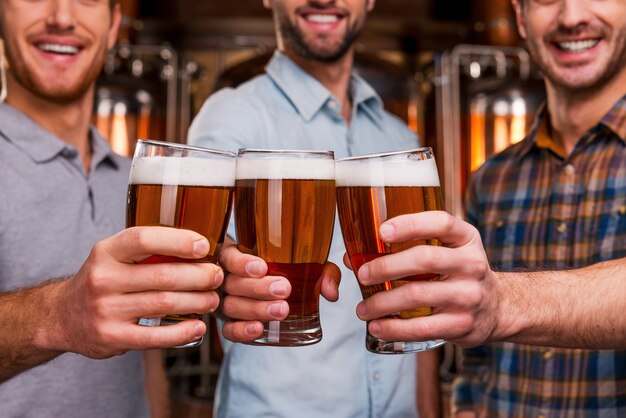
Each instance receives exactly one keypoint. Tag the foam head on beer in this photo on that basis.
(188, 171)
(398, 171)
(286, 167)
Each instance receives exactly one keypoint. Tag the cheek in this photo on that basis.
(12, 50)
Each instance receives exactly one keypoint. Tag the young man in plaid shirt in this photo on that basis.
(555, 201)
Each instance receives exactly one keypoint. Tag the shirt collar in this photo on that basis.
(615, 119)
(365, 97)
(539, 137)
(101, 150)
(41, 145)
(308, 95)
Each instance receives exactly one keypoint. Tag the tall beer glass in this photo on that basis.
(372, 189)
(284, 214)
(182, 187)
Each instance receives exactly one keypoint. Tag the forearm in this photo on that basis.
(428, 393)
(577, 308)
(24, 328)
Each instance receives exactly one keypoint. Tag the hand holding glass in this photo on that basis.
(182, 187)
(370, 190)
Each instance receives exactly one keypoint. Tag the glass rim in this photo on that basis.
(284, 152)
(386, 154)
(177, 145)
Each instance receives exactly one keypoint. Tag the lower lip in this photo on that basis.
(572, 57)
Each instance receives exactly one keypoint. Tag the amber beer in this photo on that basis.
(181, 187)
(284, 213)
(375, 188)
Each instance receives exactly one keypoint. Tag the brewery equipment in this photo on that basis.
(137, 96)
(486, 98)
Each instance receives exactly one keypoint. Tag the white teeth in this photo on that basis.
(58, 49)
(322, 18)
(578, 46)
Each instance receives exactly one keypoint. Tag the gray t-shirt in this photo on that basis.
(51, 214)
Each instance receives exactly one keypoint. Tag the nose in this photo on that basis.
(61, 14)
(574, 13)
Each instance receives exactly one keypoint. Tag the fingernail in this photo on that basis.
(201, 247)
(374, 328)
(198, 330)
(254, 268)
(360, 310)
(276, 310)
(216, 301)
(364, 274)
(251, 329)
(278, 288)
(219, 278)
(386, 231)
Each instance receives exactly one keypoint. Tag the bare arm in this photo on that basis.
(95, 313)
(473, 305)
(576, 308)
(24, 316)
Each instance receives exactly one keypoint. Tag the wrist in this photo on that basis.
(510, 316)
(47, 324)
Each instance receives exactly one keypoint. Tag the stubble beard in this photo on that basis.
(293, 37)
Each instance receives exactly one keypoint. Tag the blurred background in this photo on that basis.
(454, 70)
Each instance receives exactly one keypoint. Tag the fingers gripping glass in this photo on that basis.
(182, 187)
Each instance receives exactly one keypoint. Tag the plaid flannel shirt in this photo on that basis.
(537, 208)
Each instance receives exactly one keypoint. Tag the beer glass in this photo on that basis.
(284, 214)
(370, 190)
(182, 187)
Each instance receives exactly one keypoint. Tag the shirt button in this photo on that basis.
(562, 228)
(376, 376)
(69, 153)
(500, 224)
(548, 355)
(570, 169)
(332, 105)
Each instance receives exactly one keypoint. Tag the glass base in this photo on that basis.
(292, 332)
(378, 346)
(156, 322)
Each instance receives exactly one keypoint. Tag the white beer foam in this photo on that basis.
(292, 168)
(387, 172)
(185, 171)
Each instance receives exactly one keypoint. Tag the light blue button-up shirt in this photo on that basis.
(287, 108)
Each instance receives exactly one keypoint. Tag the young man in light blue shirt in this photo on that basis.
(309, 98)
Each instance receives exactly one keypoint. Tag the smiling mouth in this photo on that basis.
(59, 49)
(577, 46)
(321, 18)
